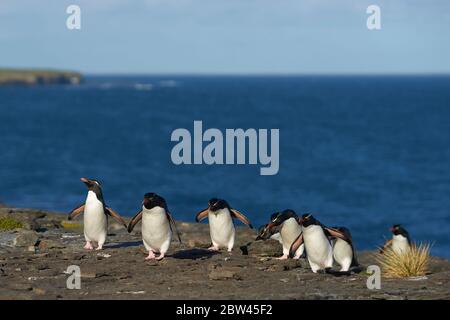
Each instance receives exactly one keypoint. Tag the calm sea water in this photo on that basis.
(363, 152)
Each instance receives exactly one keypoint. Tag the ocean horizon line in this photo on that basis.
(262, 75)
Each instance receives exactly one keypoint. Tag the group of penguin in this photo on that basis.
(299, 236)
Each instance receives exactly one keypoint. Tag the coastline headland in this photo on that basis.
(32, 77)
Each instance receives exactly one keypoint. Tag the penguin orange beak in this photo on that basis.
(86, 181)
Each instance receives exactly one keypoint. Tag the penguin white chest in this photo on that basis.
(221, 227)
(318, 248)
(156, 232)
(277, 237)
(95, 220)
(290, 230)
(400, 244)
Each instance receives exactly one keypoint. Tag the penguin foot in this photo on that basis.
(213, 248)
(88, 246)
(150, 256)
(283, 257)
(321, 271)
(160, 257)
(99, 248)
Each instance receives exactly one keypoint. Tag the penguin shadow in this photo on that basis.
(336, 273)
(128, 244)
(194, 254)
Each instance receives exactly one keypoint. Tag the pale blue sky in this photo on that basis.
(227, 36)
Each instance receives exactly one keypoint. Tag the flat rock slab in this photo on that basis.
(190, 271)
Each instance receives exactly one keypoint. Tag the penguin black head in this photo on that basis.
(279, 217)
(307, 219)
(215, 204)
(263, 232)
(397, 229)
(266, 231)
(93, 185)
(152, 200)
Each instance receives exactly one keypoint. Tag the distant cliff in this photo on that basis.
(38, 77)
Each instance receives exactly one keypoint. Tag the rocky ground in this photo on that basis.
(34, 260)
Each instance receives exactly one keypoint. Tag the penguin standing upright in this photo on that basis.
(289, 229)
(221, 226)
(400, 241)
(95, 215)
(157, 225)
(317, 244)
(343, 250)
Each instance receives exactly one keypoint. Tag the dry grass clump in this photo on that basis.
(411, 263)
(71, 225)
(8, 223)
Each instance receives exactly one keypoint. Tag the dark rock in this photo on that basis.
(271, 248)
(7, 238)
(26, 238)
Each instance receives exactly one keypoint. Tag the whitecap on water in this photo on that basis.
(143, 86)
(168, 83)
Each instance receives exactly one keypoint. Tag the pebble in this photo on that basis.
(39, 291)
(70, 236)
(131, 292)
(419, 278)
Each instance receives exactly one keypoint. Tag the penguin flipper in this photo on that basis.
(75, 212)
(335, 233)
(172, 224)
(134, 221)
(295, 245)
(240, 216)
(202, 215)
(115, 215)
(386, 245)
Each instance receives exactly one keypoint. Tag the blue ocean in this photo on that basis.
(362, 152)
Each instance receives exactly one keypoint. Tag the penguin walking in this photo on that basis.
(343, 250)
(221, 226)
(400, 241)
(289, 230)
(95, 215)
(317, 244)
(157, 225)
